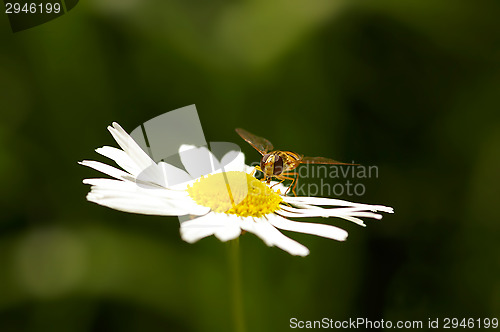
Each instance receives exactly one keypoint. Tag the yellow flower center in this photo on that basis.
(235, 193)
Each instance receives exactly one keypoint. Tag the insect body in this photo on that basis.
(277, 163)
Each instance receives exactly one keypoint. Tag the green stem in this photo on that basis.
(236, 291)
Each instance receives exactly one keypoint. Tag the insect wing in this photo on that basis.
(322, 160)
(259, 143)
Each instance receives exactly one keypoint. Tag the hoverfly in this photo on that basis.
(277, 163)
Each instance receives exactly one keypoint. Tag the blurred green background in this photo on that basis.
(410, 86)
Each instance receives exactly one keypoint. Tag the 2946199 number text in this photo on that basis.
(32, 8)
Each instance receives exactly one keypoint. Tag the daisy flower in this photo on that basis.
(225, 201)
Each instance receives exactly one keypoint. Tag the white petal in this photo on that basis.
(192, 231)
(134, 204)
(174, 177)
(272, 237)
(121, 175)
(327, 231)
(195, 234)
(234, 161)
(354, 220)
(111, 184)
(128, 197)
(231, 231)
(106, 169)
(337, 202)
(192, 207)
(148, 169)
(121, 158)
(127, 143)
(345, 213)
(218, 224)
(153, 174)
(129, 186)
(284, 211)
(198, 161)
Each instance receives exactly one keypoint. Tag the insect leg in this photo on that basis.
(256, 168)
(286, 176)
(265, 178)
(283, 177)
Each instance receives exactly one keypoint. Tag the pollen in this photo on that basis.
(236, 193)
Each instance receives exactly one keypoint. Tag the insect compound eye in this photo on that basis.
(263, 161)
(278, 165)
